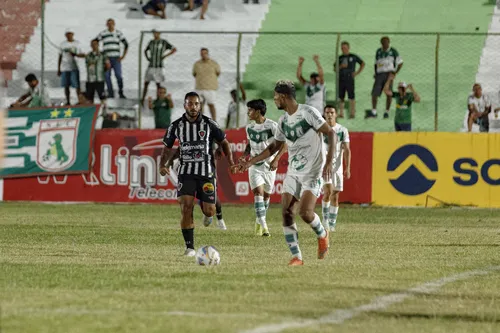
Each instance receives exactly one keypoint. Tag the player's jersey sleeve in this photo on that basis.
(246, 132)
(487, 102)
(280, 135)
(216, 132)
(314, 118)
(470, 100)
(358, 59)
(274, 128)
(170, 135)
(411, 97)
(397, 58)
(346, 135)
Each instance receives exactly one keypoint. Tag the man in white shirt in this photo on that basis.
(34, 97)
(479, 108)
(67, 68)
(315, 87)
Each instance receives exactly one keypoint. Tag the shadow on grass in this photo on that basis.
(450, 317)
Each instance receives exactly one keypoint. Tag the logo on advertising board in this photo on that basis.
(242, 189)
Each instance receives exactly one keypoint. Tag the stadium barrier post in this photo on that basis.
(337, 71)
(139, 109)
(436, 83)
(238, 78)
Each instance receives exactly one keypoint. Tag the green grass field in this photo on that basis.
(117, 268)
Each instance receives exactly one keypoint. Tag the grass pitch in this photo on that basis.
(114, 268)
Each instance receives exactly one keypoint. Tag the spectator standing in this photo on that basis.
(479, 107)
(111, 39)
(347, 73)
(232, 110)
(387, 62)
(34, 97)
(155, 53)
(204, 7)
(206, 72)
(162, 108)
(405, 96)
(155, 8)
(67, 68)
(315, 88)
(97, 65)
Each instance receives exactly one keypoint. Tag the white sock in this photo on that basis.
(292, 239)
(374, 112)
(266, 203)
(318, 227)
(260, 210)
(386, 111)
(325, 210)
(334, 210)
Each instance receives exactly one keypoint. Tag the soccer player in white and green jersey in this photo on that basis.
(260, 133)
(302, 128)
(333, 186)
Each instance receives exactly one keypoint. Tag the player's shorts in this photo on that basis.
(71, 79)
(202, 188)
(258, 178)
(402, 127)
(207, 96)
(296, 186)
(346, 85)
(337, 180)
(154, 75)
(378, 85)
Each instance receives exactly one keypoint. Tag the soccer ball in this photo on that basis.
(207, 256)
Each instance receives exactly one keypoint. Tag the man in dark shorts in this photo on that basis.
(387, 62)
(196, 134)
(347, 73)
(405, 96)
(155, 8)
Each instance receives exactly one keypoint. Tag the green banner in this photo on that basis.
(48, 141)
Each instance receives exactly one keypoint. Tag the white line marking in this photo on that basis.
(379, 303)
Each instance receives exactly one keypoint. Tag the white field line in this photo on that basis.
(379, 303)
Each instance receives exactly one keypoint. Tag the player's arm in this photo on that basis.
(273, 147)
(227, 151)
(59, 61)
(171, 51)
(20, 100)
(220, 138)
(243, 93)
(387, 86)
(327, 130)
(320, 69)
(416, 96)
(246, 153)
(125, 48)
(275, 161)
(361, 66)
(168, 152)
(147, 52)
(299, 71)
(170, 161)
(399, 61)
(347, 158)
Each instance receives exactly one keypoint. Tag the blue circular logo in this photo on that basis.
(412, 181)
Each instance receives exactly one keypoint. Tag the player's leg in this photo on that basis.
(311, 190)
(291, 191)
(186, 190)
(256, 180)
(342, 91)
(352, 99)
(325, 202)
(145, 91)
(210, 98)
(109, 82)
(269, 179)
(75, 81)
(218, 212)
(337, 187)
(204, 7)
(388, 100)
(205, 191)
(66, 82)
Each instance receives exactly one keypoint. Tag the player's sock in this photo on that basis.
(292, 239)
(188, 235)
(332, 219)
(266, 203)
(260, 210)
(318, 227)
(374, 112)
(325, 211)
(218, 210)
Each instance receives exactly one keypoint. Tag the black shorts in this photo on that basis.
(378, 85)
(402, 127)
(202, 188)
(346, 84)
(95, 87)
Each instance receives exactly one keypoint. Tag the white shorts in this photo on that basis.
(296, 186)
(207, 96)
(258, 178)
(337, 180)
(154, 75)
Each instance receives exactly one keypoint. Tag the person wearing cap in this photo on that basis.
(156, 52)
(315, 87)
(387, 62)
(155, 8)
(405, 96)
(479, 107)
(34, 97)
(67, 68)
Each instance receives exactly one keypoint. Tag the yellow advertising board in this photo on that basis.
(419, 169)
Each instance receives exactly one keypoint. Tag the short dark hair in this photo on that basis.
(94, 40)
(204, 49)
(314, 75)
(191, 94)
(258, 104)
(329, 106)
(162, 87)
(345, 43)
(385, 37)
(233, 92)
(285, 87)
(30, 77)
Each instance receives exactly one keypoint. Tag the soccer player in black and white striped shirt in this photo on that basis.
(156, 52)
(196, 134)
(111, 40)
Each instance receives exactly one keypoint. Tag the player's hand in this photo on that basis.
(165, 171)
(121, 59)
(347, 174)
(244, 166)
(58, 73)
(235, 168)
(327, 171)
(301, 60)
(243, 158)
(354, 75)
(274, 165)
(316, 57)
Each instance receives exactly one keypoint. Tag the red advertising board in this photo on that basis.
(125, 169)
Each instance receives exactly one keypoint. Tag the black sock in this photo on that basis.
(218, 210)
(188, 235)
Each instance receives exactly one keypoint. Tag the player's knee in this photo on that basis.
(209, 210)
(327, 193)
(306, 214)
(335, 198)
(187, 209)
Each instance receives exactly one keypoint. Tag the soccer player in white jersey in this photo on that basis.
(315, 87)
(302, 128)
(333, 186)
(260, 133)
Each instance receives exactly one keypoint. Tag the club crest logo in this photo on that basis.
(56, 142)
(202, 134)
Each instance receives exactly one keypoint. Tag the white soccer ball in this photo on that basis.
(207, 256)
